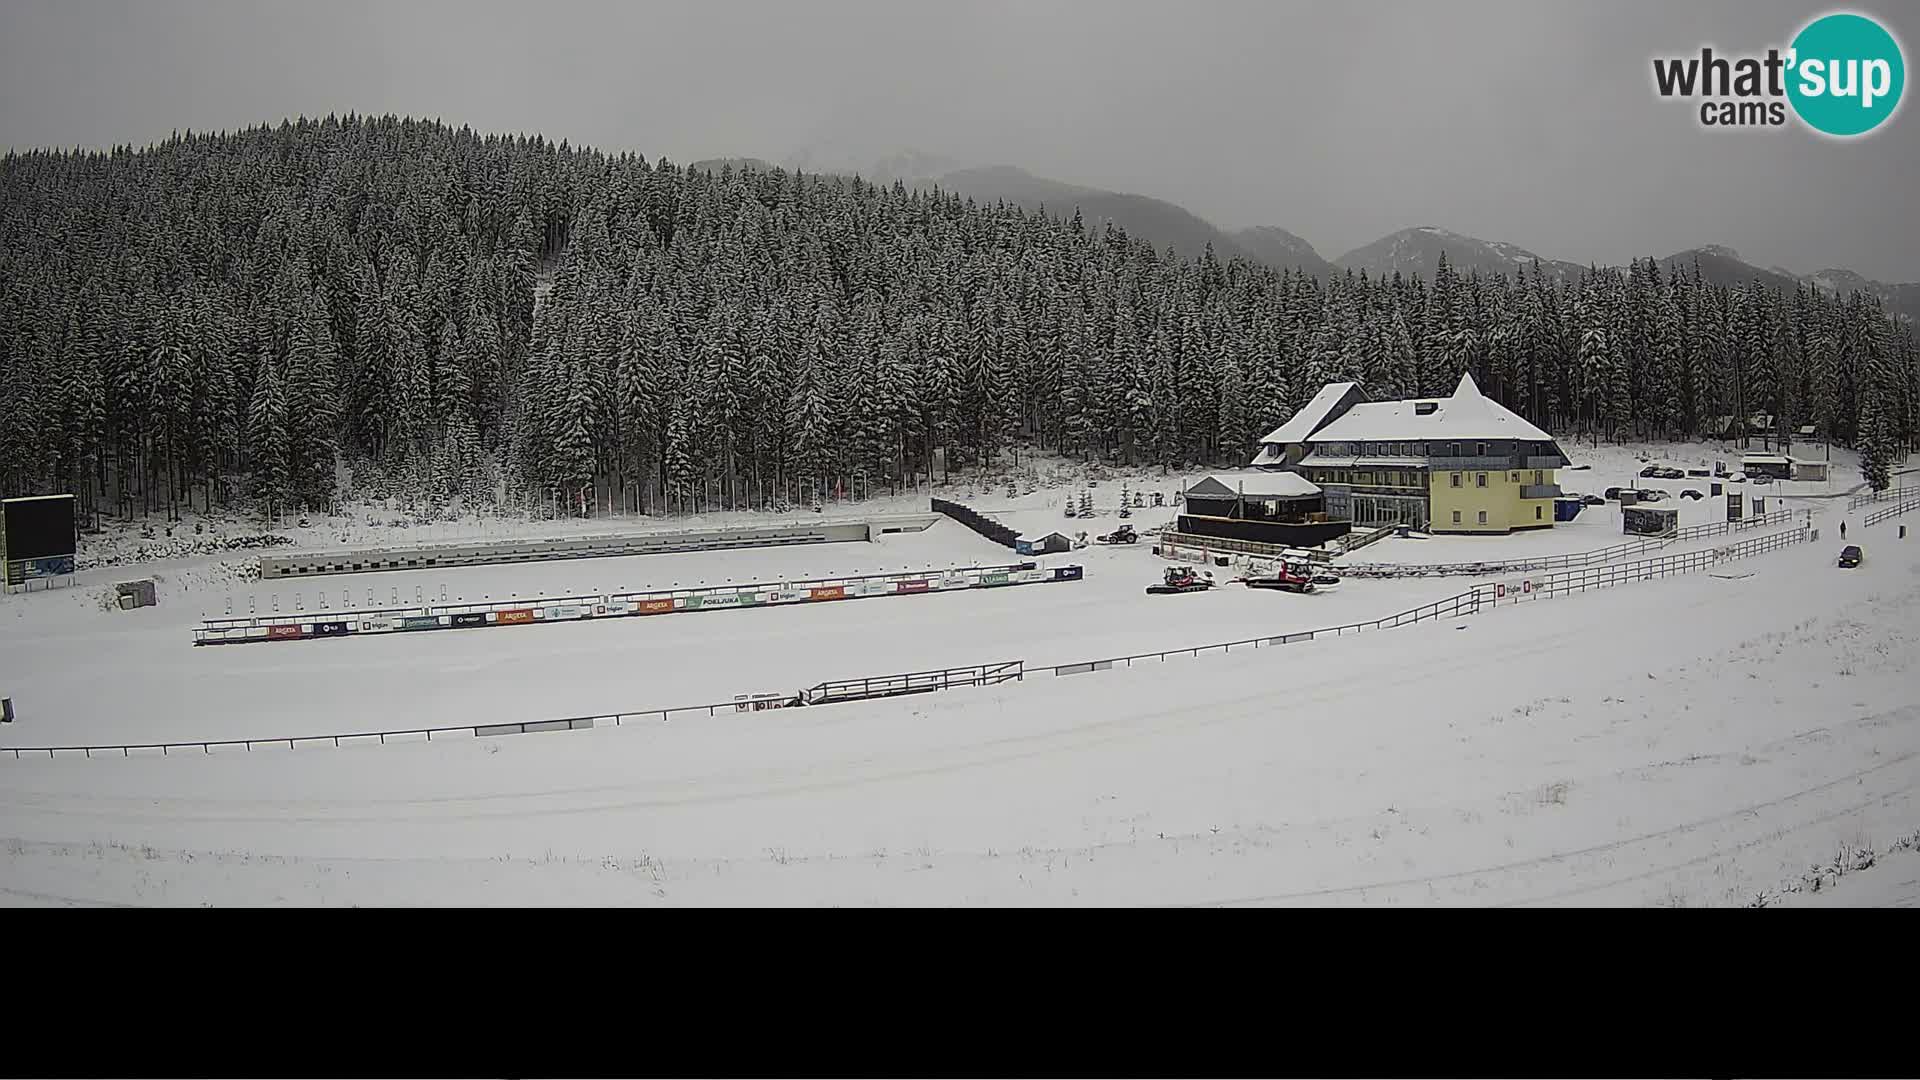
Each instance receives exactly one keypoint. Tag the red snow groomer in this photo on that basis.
(1290, 576)
(1181, 579)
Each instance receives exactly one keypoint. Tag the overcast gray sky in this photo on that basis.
(1529, 121)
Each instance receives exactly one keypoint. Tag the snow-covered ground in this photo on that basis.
(1698, 740)
(59, 644)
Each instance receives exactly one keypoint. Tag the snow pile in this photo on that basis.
(120, 550)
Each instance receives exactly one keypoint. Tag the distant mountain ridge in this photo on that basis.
(1156, 221)
(1418, 250)
(1408, 251)
(1722, 265)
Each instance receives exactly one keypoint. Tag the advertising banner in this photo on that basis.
(653, 607)
(473, 618)
(1513, 591)
(831, 592)
(21, 571)
(513, 615)
(284, 632)
(420, 622)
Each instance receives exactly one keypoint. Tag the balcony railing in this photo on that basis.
(1540, 491)
(1546, 463)
(1489, 463)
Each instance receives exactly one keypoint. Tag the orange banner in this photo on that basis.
(282, 632)
(654, 607)
(514, 616)
(831, 592)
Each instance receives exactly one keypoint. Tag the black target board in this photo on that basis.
(37, 537)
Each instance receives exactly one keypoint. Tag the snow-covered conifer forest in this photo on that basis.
(244, 320)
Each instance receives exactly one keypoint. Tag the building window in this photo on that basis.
(1536, 513)
(1536, 477)
(1481, 451)
(1483, 517)
(1515, 477)
(1456, 479)
(1456, 517)
(1480, 480)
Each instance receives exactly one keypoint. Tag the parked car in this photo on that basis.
(1576, 468)
(1674, 474)
(1692, 493)
(1763, 479)
(1651, 494)
(1593, 500)
(1737, 478)
(1613, 493)
(1651, 470)
(1850, 556)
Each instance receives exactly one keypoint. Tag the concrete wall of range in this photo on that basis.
(493, 552)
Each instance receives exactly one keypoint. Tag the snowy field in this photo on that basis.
(162, 688)
(1701, 740)
(57, 643)
(1696, 741)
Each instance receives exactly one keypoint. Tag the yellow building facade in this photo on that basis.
(1491, 501)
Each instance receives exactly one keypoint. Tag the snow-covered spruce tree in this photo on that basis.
(1876, 442)
(267, 436)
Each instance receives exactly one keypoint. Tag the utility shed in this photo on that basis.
(1809, 470)
(1044, 544)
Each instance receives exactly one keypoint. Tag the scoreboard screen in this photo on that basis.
(37, 537)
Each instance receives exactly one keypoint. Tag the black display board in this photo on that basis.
(38, 537)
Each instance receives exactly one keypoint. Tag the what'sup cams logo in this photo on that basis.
(1842, 76)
